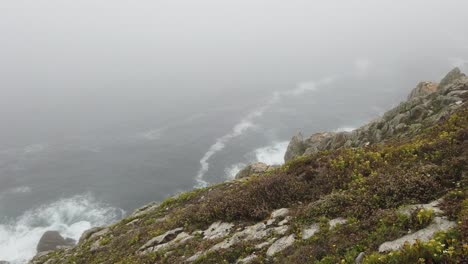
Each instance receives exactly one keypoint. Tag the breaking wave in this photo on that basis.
(70, 216)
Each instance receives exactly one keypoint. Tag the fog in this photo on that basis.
(70, 67)
(106, 105)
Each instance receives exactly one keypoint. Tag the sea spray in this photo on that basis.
(70, 216)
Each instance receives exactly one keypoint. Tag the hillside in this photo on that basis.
(393, 191)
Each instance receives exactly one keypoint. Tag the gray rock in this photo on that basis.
(280, 245)
(217, 230)
(4, 262)
(166, 237)
(423, 235)
(451, 77)
(337, 221)
(283, 212)
(247, 259)
(434, 206)
(87, 234)
(252, 169)
(296, 147)
(308, 232)
(51, 240)
(423, 89)
(427, 104)
(360, 258)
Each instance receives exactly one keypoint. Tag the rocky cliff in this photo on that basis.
(393, 191)
(427, 104)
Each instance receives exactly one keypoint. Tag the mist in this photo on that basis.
(107, 105)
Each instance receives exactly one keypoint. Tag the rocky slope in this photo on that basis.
(426, 105)
(393, 191)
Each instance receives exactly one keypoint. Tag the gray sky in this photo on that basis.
(80, 65)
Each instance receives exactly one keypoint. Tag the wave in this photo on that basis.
(70, 216)
(232, 171)
(248, 122)
(273, 154)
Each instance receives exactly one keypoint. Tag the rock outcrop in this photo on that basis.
(426, 105)
(52, 240)
(257, 168)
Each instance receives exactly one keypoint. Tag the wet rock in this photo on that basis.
(52, 240)
(308, 232)
(280, 245)
(423, 235)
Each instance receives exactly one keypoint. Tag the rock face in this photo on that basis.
(52, 240)
(423, 89)
(426, 105)
(254, 168)
(296, 147)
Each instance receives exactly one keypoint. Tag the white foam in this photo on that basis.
(345, 129)
(232, 170)
(248, 122)
(70, 216)
(273, 154)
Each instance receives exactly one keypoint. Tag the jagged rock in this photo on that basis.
(451, 77)
(217, 230)
(426, 105)
(283, 212)
(423, 89)
(280, 245)
(247, 259)
(52, 240)
(308, 232)
(337, 221)
(296, 147)
(423, 235)
(360, 258)
(255, 168)
(166, 237)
